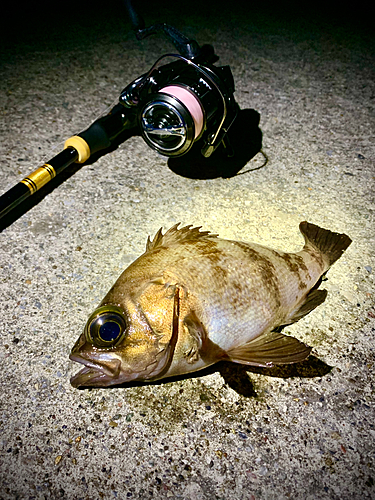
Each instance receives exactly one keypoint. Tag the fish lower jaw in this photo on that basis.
(95, 374)
(87, 377)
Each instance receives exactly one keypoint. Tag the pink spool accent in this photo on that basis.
(190, 101)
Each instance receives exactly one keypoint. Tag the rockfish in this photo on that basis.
(193, 299)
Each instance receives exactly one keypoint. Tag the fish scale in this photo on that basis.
(193, 299)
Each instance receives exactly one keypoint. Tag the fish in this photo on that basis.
(193, 299)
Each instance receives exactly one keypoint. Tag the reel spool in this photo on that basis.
(172, 120)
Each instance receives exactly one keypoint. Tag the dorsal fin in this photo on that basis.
(175, 235)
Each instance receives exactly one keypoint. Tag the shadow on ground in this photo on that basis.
(236, 376)
(245, 138)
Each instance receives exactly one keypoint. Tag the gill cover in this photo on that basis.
(106, 326)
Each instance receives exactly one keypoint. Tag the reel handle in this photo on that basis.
(136, 19)
(185, 46)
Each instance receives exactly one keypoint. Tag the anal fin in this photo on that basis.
(313, 299)
(268, 349)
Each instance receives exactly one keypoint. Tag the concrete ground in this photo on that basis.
(300, 432)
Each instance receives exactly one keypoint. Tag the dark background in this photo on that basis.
(21, 20)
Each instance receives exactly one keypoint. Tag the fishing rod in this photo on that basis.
(77, 149)
(184, 99)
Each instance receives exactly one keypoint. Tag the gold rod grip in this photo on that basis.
(39, 177)
(80, 145)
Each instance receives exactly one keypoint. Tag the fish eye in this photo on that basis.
(106, 326)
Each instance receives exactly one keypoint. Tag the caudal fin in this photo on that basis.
(331, 245)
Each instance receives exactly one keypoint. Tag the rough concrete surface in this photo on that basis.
(300, 432)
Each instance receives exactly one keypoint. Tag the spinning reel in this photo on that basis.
(181, 102)
(184, 99)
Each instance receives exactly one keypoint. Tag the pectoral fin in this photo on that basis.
(200, 345)
(268, 349)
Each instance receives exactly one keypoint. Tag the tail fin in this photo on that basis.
(330, 245)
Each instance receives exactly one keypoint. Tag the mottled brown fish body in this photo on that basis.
(192, 299)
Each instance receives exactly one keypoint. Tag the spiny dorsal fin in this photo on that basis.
(175, 235)
(330, 245)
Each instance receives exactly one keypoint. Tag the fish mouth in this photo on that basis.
(94, 374)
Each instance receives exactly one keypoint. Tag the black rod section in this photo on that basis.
(34, 181)
(79, 148)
